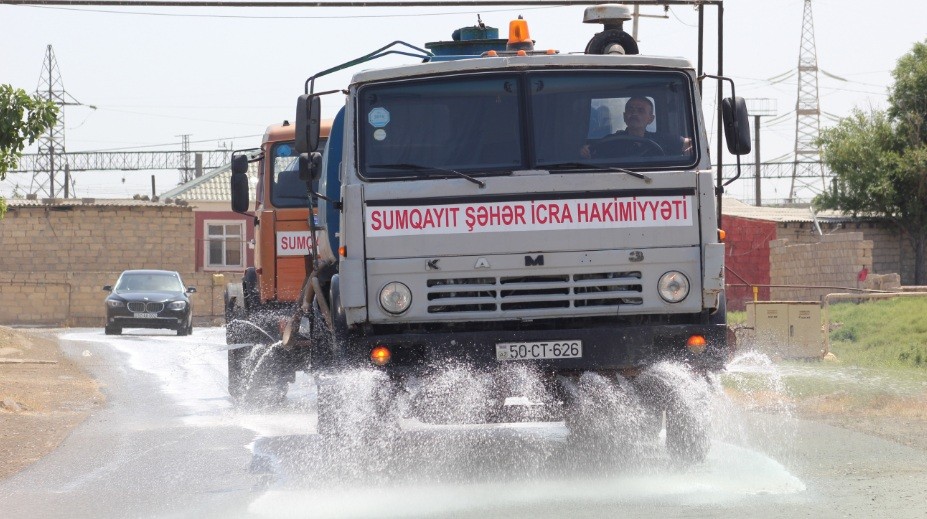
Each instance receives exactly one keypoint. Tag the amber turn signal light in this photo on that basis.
(380, 355)
(696, 344)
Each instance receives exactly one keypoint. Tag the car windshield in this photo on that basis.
(149, 282)
(494, 123)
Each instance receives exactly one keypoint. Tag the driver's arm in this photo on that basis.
(585, 152)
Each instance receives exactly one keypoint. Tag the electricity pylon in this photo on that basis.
(51, 144)
(806, 168)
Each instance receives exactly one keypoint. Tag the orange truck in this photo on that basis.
(269, 289)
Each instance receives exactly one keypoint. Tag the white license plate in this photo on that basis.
(539, 350)
(145, 315)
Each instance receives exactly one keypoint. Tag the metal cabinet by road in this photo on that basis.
(786, 329)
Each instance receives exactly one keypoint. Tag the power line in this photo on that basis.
(341, 4)
(174, 143)
(300, 17)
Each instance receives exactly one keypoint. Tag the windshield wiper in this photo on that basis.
(594, 167)
(421, 168)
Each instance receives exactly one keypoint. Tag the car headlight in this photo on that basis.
(177, 305)
(673, 286)
(395, 297)
(112, 303)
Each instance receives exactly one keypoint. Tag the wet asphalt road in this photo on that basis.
(170, 444)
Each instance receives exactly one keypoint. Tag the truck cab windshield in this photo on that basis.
(287, 190)
(497, 123)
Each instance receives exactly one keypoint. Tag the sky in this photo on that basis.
(222, 75)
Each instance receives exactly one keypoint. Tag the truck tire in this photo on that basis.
(237, 376)
(249, 285)
(258, 373)
(687, 440)
(257, 376)
(600, 43)
(687, 429)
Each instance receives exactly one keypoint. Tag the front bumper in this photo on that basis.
(169, 319)
(604, 348)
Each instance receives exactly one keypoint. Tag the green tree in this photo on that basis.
(23, 119)
(879, 158)
(908, 98)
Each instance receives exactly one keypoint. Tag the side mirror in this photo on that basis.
(736, 125)
(108, 288)
(308, 110)
(310, 166)
(191, 290)
(240, 184)
(240, 164)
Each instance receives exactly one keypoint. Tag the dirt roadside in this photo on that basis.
(43, 396)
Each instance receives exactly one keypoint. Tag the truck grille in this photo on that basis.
(138, 306)
(526, 293)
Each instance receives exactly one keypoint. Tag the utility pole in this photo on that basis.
(186, 174)
(637, 14)
(760, 107)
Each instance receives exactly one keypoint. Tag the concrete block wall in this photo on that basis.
(96, 238)
(76, 298)
(891, 253)
(833, 261)
(55, 259)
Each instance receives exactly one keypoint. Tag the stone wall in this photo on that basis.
(76, 298)
(891, 252)
(833, 262)
(56, 258)
(96, 238)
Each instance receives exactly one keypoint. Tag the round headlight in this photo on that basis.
(673, 286)
(395, 297)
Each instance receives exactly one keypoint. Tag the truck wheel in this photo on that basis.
(249, 285)
(257, 376)
(687, 438)
(237, 377)
(687, 414)
(237, 331)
